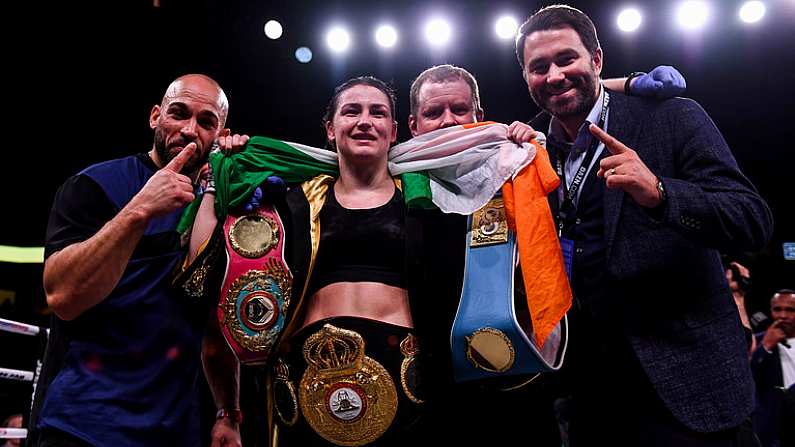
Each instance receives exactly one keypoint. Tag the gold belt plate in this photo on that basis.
(489, 224)
(253, 235)
(490, 349)
(265, 296)
(349, 399)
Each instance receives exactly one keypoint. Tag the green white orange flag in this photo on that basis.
(464, 166)
(237, 175)
(458, 169)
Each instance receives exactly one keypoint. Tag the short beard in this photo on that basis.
(581, 105)
(160, 147)
(165, 156)
(586, 93)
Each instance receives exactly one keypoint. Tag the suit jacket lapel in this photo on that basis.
(623, 125)
(541, 123)
(552, 197)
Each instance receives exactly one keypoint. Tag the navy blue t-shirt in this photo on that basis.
(131, 367)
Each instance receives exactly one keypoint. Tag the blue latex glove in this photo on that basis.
(254, 201)
(662, 82)
(272, 188)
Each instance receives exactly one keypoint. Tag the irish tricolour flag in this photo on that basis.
(458, 170)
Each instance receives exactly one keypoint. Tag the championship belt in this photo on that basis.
(490, 336)
(256, 291)
(346, 397)
(284, 398)
(409, 374)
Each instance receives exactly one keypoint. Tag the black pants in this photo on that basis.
(479, 415)
(50, 437)
(612, 402)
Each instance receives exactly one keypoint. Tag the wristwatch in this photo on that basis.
(661, 190)
(234, 414)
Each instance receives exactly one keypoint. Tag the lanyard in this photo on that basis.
(568, 209)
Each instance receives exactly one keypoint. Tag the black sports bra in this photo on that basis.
(361, 244)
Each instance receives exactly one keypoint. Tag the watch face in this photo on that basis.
(661, 190)
(234, 415)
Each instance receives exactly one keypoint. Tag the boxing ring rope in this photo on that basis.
(18, 328)
(13, 433)
(17, 374)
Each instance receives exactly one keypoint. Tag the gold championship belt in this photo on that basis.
(348, 398)
(284, 399)
(256, 291)
(409, 375)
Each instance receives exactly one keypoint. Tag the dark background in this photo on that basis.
(81, 78)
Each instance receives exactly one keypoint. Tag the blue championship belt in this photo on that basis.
(492, 334)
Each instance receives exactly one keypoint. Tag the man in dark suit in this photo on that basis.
(443, 96)
(773, 366)
(657, 354)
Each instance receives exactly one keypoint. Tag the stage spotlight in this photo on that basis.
(629, 20)
(273, 29)
(338, 39)
(692, 14)
(303, 55)
(506, 27)
(437, 31)
(752, 12)
(386, 36)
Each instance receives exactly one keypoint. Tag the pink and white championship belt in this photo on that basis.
(257, 286)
